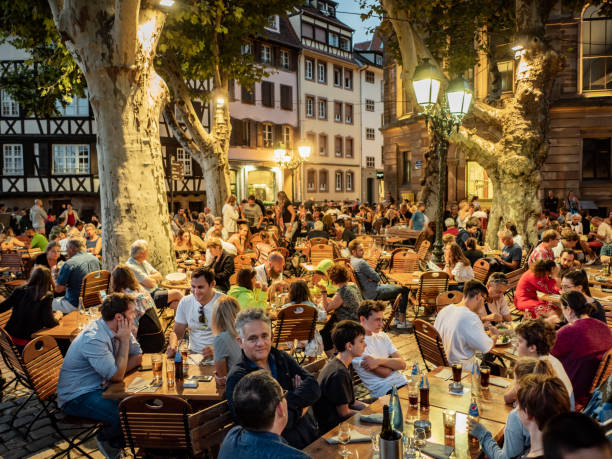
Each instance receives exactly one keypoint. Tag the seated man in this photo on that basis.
(195, 312)
(218, 225)
(69, 280)
(255, 338)
(337, 400)
(496, 306)
(369, 281)
(149, 277)
(461, 329)
(262, 413)
(222, 264)
(270, 271)
(574, 436)
(226, 246)
(104, 351)
(512, 253)
(567, 262)
(318, 231)
(380, 366)
(37, 239)
(569, 240)
(347, 234)
(471, 230)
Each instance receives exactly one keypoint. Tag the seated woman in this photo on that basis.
(9, 241)
(222, 264)
(31, 305)
(264, 247)
(183, 245)
(472, 252)
(93, 241)
(240, 239)
(578, 280)
(227, 351)
(539, 278)
(581, 344)
(247, 292)
(299, 294)
(146, 326)
(457, 266)
(343, 305)
(50, 258)
(516, 436)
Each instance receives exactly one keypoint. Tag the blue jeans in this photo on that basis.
(389, 292)
(93, 406)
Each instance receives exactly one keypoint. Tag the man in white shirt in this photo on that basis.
(380, 365)
(270, 271)
(195, 312)
(218, 225)
(461, 329)
(604, 231)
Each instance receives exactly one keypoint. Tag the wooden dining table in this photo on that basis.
(204, 391)
(68, 327)
(410, 279)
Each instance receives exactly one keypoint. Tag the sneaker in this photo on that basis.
(107, 450)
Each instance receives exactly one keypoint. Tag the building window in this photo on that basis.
(311, 180)
(349, 181)
(405, 167)
(370, 161)
(288, 137)
(339, 180)
(322, 109)
(379, 60)
(246, 132)
(596, 159)
(369, 76)
(13, 159)
(284, 59)
(338, 146)
(338, 112)
(596, 50)
(323, 180)
(320, 35)
(266, 54)
(9, 106)
(348, 147)
(309, 69)
(348, 79)
(267, 94)
(273, 23)
(79, 106)
(247, 94)
(348, 111)
(506, 71)
(307, 30)
(369, 105)
(322, 145)
(337, 76)
(184, 158)
(246, 48)
(267, 135)
(286, 93)
(70, 159)
(322, 72)
(345, 44)
(310, 106)
(370, 134)
(334, 40)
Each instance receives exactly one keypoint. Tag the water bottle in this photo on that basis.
(81, 315)
(475, 378)
(473, 414)
(395, 411)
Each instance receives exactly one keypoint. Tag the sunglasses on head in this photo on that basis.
(203, 316)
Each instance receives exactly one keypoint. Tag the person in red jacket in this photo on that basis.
(539, 278)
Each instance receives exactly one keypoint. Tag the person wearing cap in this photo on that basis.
(451, 227)
(320, 278)
(247, 292)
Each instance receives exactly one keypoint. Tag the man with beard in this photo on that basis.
(271, 270)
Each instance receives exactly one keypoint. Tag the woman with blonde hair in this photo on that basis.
(227, 351)
(183, 245)
(240, 239)
(457, 265)
(230, 215)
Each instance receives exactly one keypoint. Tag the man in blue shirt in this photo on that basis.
(79, 264)
(511, 253)
(102, 353)
(261, 410)
(417, 222)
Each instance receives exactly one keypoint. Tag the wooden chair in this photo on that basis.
(423, 249)
(4, 317)
(208, 428)
(603, 371)
(320, 252)
(481, 270)
(15, 275)
(242, 261)
(446, 298)
(318, 240)
(513, 278)
(43, 361)
(315, 367)
(609, 319)
(92, 287)
(394, 309)
(431, 284)
(430, 344)
(296, 322)
(419, 240)
(155, 422)
(13, 361)
(403, 261)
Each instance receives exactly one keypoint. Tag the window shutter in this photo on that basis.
(277, 135)
(253, 136)
(286, 96)
(236, 135)
(259, 134)
(43, 160)
(93, 158)
(28, 159)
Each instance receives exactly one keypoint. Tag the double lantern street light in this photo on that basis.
(287, 159)
(443, 117)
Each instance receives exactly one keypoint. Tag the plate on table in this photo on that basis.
(503, 341)
(176, 277)
(189, 261)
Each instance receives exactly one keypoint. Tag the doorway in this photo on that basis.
(370, 190)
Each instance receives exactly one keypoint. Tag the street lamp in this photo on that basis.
(290, 161)
(443, 118)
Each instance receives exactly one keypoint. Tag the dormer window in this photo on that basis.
(273, 23)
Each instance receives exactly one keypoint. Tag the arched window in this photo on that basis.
(339, 181)
(596, 50)
(323, 181)
(350, 181)
(311, 180)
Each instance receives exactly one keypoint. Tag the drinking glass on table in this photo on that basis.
(170, 373)
(457, 370)
(413, 394)
(449, 417)
(485, 373)
(344, 436)
(375, 437)
(420, 438)
(156, 366)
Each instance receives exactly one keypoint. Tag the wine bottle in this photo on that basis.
(395, 410)
(387, 432)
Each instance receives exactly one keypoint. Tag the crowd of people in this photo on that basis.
(278, 406)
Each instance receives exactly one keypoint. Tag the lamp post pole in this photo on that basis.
(291, 162)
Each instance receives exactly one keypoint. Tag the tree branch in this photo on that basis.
(174, 126)
(487, 114)
(125, 30)
(476, 148)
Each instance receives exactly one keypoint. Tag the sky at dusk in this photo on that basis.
(348, 11)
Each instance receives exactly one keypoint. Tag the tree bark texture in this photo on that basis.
(509, 142)
(114, 45)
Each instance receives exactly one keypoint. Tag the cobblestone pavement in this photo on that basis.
(44, 442)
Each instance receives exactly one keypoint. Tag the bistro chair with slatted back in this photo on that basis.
(422, 252)
(4, 317)
(255, 239)
(430, 344)
(320, 252)
(16, 268)
(609, 319)
(431, 284)
(314, 368)
(394, 309)
(156, 422)
(208, 428)
(14, 362)
(603, 371)
(94, 286)
(446, 298)
(513, 278)
(43, 361)
(295, 322)
(481, 270)
(242, 261)
(419, 240)
(318, 240)
(403, 261)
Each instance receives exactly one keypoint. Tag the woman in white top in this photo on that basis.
(457, 265)
(230, 215)
(463, 215)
